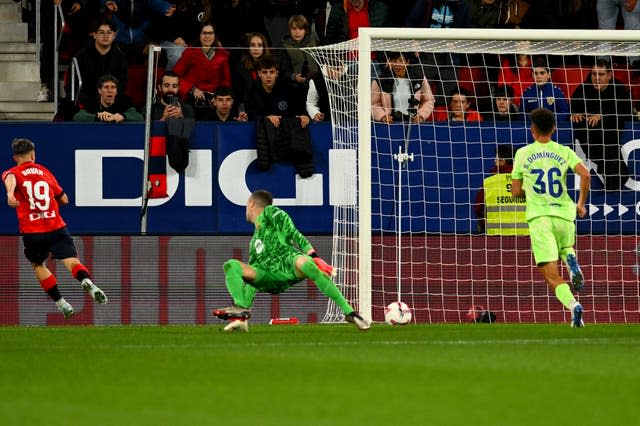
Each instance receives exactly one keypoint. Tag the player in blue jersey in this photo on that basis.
(540, 174)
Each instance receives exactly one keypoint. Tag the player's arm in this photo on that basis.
(292, 233)
(10, 186)
(516, 188)
(585, 184)
(62, 198)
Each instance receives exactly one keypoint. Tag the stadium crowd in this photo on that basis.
(109, 36)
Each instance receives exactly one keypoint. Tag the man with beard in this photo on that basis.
(108, 106)
(179, 118)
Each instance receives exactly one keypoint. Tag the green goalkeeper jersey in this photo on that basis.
(543, 170)
(272, 245)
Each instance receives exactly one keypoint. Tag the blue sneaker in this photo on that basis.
(576, 316)
(577, 279)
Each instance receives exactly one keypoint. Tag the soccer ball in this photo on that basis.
(397, 313)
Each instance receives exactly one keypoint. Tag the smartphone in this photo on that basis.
(175, 101)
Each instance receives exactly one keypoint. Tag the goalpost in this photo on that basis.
(411, 225)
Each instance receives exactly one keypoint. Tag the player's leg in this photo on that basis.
(566, 240)
(64, 248)
(544, 244)
(306, 267)
(36, 250)
(237, 276)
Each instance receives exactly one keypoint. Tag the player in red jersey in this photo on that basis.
(35, 194)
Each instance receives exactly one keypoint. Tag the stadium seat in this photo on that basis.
(568, 79)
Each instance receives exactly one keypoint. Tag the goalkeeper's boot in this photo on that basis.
(577, 279)
(66, 308)
(356, 319)
(232, 312)
(576, 316)
(237, 325)
(96, 294)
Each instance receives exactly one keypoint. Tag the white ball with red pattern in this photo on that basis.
(397, 313)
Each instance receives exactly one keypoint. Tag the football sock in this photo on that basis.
(564, 295)
(80, 272)
(326, 286)
(241, 293)
(54, 293)
(566, 252)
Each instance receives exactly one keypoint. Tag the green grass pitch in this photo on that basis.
(500, 374)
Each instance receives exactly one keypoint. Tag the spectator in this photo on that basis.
(395, 88)
(296, 65)
(179, 119)
(543, 93)
(318, 106)
(167, 104)
(108, 106)
(608, 11)
(346, 18)
(495, 194)
(458, 108)
(223, 107)
(202, 70)
(485, 13)
(439, 67)
(503, 107)
(516, 72)
(281, 120)
(99, 58)
(132, 17)
(599, 108)
(174, 33)
(246, 71)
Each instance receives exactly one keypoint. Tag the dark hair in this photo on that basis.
(21, 146)
(223, 91)
(103, 20)
(267, 62)
(392, 56)
(108, 77)
(544, 120)
(503, 91)
(262, 197)
(603, 63)
(458, 91)
(505, 152)
(540, 62)
(169, 74)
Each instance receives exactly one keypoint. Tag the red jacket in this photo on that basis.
(195, 69)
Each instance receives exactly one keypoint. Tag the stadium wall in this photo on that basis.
(100, 167)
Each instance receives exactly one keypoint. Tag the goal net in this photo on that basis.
(410, 223)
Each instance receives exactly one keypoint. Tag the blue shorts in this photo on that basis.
(59, 243)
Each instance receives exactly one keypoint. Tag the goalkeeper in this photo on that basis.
(540, 172)
(275, 265)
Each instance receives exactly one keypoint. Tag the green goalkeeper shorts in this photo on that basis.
(550, 236)
(276, 280)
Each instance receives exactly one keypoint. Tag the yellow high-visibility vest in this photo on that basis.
(505, 214)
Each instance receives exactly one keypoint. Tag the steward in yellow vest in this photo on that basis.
(505, 214)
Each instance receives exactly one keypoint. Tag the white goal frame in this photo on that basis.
(457, 40)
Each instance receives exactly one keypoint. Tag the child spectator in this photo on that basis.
(246, 70)
(282, 125)
(296, 65)
(202, 70)
(222, 108)
(543, 93)
(458, 108)
(503, 107)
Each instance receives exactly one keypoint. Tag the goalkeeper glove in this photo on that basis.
(322, 265)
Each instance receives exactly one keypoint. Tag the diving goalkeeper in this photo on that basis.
(275, 264)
